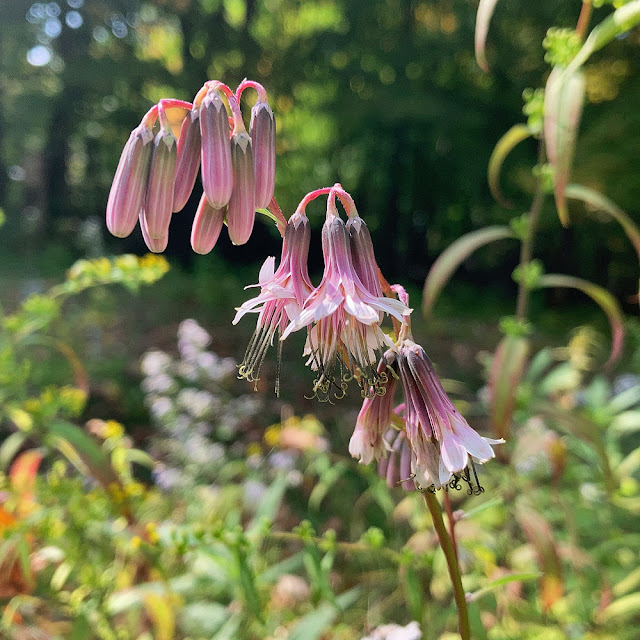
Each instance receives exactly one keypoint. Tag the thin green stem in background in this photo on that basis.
(452, 563)
(526, 250)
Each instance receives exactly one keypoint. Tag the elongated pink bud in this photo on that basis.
(130, 183)
(154, 245)
(217, 171)
(242, 206)
(362, 255)
(263, 138)
(158, 204)
(206, 227)
(188, 161)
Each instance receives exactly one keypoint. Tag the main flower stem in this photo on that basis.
(452, 563)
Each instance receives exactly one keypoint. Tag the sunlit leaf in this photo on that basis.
(603, 298)
(483, 18)
(10, 447)
(160, 611)
(453, 256)
(270, 503)
(509, 140)
(619, 22)
(563, 100)
(506, 372)
(624, 608)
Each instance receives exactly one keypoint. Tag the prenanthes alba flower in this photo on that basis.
(282, 294)
(364, 259)
(395, 467)
(129, 185)
(188, 161)
(343, 318)
(158, 204)
(263, 139)
(442, 442)
(217, 172)
(206, 226)
(367, 443)
(242, 205)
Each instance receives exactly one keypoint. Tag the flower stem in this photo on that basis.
(584, 18)
(526, 250)
(452, 563)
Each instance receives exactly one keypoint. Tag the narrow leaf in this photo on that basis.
(270, 503)
(10, 447)
(600, 202)
(619, 22)
(499, 582)
(453, 256)
(504, 378)
(563, 100)
(161, 614)
(483, 18)
(85, 448)
(600, 296)
(624, 608)
(509, 140)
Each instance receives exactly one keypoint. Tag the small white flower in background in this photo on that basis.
(396, 632)
(192, 339)
(155, 362)
(160, 406)
(158, 383)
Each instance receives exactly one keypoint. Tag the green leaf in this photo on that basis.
(504, 146)
(79, 447)
(563, 100)
(601, 297)
(10, 447)
(499, 582)
(483, 18)
(623, 608)
(506, 372)
(327, 480)
(453, 256)
(619, 22)
(314, 624)
(482, 507)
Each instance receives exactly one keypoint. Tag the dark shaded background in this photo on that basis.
(381, 95)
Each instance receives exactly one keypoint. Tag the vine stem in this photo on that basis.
(526, 249)
(452, 564)
(584, 18)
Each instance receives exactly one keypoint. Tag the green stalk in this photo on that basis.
(452, 563)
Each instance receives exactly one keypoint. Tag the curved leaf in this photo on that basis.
(483, 18)
(625, 608)
(611, 27)
(563, 100)
(598, 201)
(603, 298)
(453, 256)
(506, 372)
(509, 140)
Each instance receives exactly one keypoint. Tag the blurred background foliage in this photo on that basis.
(381, 95)
(207, 513)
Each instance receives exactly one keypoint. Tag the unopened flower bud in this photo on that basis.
(364, 259)
(242, 206)
(156, 245)
(263, 138)
(206, 226)
(217, 172)
(188, 161)
(130, 183)
(158, 205)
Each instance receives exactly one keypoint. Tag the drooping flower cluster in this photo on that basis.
(424, 442)
(159, 166)
(433, 444)
(342, 314)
